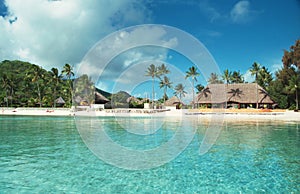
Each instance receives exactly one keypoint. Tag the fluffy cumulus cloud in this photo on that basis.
(52, 33)
(241, 12)
(248, 77)
(123, 41)
(123, 57)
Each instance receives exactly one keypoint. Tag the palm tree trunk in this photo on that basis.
(180, 106)
(165, 91)
(11, 96)
(297, 99)
(39, 94)
(71, 92)
(6, 98)
(193, 94)
(256, 96)
(256, 90)
(55, 97)
(152, 93)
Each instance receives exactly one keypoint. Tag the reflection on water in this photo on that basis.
(46, 154)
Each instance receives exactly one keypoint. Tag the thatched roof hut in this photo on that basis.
(245, 93)
(174, 101)
(60, 100)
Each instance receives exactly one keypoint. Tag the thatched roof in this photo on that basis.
(100, 99)
(245, 93)
(173, 101)
(60, 100)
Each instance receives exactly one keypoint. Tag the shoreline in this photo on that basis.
(201, 114)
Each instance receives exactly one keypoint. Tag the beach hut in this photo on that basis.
(244, 95)
(173, 103)
(60, 101)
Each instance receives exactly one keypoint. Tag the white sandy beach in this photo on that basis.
(208, 114)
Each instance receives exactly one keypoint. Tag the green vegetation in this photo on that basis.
(157, 72)
(192, 73)
(28, 85)
(179, 91)
(23, 84)
(283, 89)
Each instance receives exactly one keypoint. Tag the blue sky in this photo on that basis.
(236, 33)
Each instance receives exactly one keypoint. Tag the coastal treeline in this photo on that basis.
(29, 85)
(283, 88)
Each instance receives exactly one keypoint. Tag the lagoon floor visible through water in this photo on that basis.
(47, 155)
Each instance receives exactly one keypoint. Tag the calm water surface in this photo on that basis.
(47, 155)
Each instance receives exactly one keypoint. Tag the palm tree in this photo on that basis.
(264, 93)
(165, 83)
(235, 92)
(214, 79)
(163, 70)
(237, 77)
(199, 88)
(227, 76)
(192, 73)
(12, 85)
(56, 79)
(5, 86)
(294, 84)
(36, 76)
(264, 77)
(255, 69)
(179, 91)
(68, 72)
(152, 71)
(204, 92)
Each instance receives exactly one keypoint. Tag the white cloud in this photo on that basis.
(209, 11)
(57, 32)
(112, 55)
(248, 77)
(241, 12)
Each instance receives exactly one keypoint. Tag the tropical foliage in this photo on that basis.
(285, 87)
(23, 84)
(193, 74)
(179, 91)
(28, 85)
(214, 79)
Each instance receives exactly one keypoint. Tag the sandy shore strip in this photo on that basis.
(205, 114)
(36, 111)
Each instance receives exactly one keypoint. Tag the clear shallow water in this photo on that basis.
(46, 154)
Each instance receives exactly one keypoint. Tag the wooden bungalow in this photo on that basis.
(245, 95)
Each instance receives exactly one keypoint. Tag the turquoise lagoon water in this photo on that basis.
(47, 155)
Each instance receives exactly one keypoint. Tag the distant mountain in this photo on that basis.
(120, 97)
